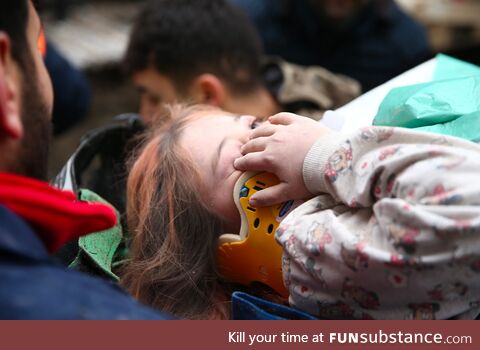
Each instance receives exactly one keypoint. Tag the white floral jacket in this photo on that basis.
(394, 231)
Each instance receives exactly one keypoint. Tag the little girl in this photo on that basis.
(389, 227)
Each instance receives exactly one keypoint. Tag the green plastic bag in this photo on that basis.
(466, 127)
(452, 68)
(430, 103)
(449, 105)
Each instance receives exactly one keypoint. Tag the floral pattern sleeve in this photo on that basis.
(394, 229)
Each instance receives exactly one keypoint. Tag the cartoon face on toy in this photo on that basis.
(254, 255)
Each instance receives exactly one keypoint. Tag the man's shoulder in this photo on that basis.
(46, 290)
(34, 286)
(17, 237)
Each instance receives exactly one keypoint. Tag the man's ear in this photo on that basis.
(210, 90)
(10, 118)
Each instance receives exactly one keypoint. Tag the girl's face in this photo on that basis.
(214, 139)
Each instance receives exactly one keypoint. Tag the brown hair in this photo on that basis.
(174, 236)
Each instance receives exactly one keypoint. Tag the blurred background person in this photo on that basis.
(369, 40)
(217, 59)
(70, 84)
(71, 88)
(202, 51)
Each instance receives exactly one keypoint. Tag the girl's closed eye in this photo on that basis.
(255, 124)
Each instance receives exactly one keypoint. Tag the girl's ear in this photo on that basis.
(210, 90)
(10, 117)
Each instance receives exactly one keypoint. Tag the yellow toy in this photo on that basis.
(254, 255)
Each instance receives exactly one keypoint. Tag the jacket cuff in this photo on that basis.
(316, 160)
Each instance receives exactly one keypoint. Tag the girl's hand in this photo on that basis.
(279, 147)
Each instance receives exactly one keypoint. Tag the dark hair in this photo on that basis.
(13, 21)
(185, 38)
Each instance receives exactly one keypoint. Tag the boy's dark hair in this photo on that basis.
(13, 21)
(184, 38)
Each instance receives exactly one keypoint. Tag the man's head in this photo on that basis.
(201, 51)
(26, 94)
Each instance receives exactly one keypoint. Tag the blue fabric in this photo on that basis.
(248, 307)
(70, 88)
(34, 286)
(380, 44)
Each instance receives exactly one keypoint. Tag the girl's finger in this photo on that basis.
(282, 118)
(254, 145)
(252, 161)
(270, 196)
(264, 130)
